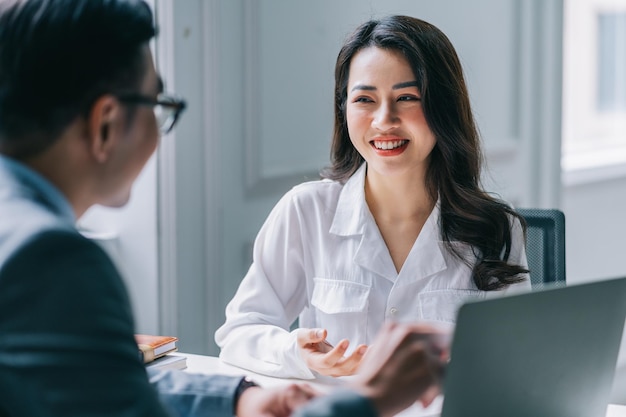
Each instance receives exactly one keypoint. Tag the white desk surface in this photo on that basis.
(212, 365)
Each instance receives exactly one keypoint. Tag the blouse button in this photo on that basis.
(393, 311)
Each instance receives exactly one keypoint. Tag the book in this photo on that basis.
(169, 362)
(153, 347)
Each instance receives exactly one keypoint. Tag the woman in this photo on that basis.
(398, 228)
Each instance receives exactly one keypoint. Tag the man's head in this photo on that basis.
(57, 57)
(77, 93)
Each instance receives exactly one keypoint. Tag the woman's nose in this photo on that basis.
(385, 117)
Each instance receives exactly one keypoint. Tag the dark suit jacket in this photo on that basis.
(66, 329)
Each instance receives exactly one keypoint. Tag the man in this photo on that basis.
(81, 107)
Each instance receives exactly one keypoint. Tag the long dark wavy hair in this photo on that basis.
(468, 213)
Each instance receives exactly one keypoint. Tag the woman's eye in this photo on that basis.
(363, 100)
(408, 98)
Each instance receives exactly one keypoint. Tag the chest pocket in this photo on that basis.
(443, 305)
(341, 307)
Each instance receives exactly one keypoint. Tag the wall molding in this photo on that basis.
(258, 182)
(211, 42)
(166, 180)
(540, 93)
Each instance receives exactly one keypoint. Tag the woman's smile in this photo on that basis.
(389, 146)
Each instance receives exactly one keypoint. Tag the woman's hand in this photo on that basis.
(322, 357)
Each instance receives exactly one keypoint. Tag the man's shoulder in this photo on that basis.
(56, 256)
(51, 264)
(24, 222)
(34, 239)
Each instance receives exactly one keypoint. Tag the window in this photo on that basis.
(612, 62)
(594, 87)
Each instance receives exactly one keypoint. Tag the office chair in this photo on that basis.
(545, 246)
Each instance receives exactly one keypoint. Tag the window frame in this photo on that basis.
(594, 141)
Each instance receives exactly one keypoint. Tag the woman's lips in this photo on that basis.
(389, 146)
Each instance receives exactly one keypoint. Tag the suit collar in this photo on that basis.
(17, 179)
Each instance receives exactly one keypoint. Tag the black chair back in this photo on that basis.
(545, 245)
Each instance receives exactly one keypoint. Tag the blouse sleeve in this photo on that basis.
(256, 333)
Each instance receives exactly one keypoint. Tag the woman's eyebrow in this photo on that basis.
(404, 85)
(363, 87)
(398, 86)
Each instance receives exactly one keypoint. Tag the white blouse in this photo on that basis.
(321, 256)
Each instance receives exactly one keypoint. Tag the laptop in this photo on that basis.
(549, 353)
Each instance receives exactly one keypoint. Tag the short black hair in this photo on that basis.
(57, 57)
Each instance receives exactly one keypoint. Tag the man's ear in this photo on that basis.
(102, 124)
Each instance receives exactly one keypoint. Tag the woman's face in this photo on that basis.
(384, 113)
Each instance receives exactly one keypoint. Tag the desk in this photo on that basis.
(212, 365)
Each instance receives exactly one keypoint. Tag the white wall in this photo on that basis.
(129, 235)
(595, 227)
(595, 216)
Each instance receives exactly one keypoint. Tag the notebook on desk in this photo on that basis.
(548, 353)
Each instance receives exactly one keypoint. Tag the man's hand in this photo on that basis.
(325, 359)
(405, 364)
(273, 402)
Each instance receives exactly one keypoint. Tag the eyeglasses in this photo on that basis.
(167, 108)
